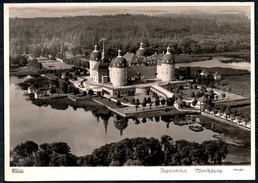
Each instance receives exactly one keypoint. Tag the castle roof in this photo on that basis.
(141, 51)
(100, 66)
(120, 124)
(168, 57)
(119, 61)
(130, 57)
(95, 54)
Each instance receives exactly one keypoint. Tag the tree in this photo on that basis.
(137, 101)
(216, 151)
(194, 102)
(91, 92)
(193, 95)
(76, 50)
(60, 147)
(150, 104)
(99, 93)
(54, 47)
(41, 159)
(223, 95)
(149, 100)
(65, 87)
(147, 91)
(144, 100)
(136, 106)
(84, 93)
(170, 101)
(25, 149)
(35, 50)
(133, 101)
(157, 102)
(163, 101)
(76, 91)
(118, 103)
(143, 104)
(165, 141)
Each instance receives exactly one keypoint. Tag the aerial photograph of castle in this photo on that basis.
(136, 85)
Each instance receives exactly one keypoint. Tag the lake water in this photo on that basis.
(80, 129)
(215, 62)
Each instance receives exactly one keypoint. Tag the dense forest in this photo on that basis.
(138, 151)
(184, 33)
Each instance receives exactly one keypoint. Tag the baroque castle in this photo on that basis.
(131, 67)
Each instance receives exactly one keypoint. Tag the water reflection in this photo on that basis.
(120, 123)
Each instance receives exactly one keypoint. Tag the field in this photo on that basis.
(240, 84)
(24, 71)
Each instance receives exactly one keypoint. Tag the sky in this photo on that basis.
(75, 9)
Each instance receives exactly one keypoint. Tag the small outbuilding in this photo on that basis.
(217, 76)
(204, 73)
(32, 89)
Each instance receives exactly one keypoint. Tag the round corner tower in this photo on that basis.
(167, 67)
(95, 57)
(118, 71)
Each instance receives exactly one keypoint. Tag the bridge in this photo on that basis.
(161, 91)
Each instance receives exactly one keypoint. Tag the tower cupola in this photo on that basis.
(141, 51)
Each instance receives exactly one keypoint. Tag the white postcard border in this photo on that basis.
(126, 173)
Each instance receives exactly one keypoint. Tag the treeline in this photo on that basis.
(185, 34)
(138, 151)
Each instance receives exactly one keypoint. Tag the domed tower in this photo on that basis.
(95, 57)
(141, 51)
(118, 71)
(120, 123)
(167, 67)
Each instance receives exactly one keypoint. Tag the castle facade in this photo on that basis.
(131, 67)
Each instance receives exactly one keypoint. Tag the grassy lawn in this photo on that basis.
(235, 103)
(245, 109)
(186, 93)
(240, 84)
(24, 71)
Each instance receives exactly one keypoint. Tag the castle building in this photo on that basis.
(118, 71)
(95, 57)
(132, 67)
(166, 68)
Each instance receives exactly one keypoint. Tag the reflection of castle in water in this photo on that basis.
(120, 123)
(168, 119)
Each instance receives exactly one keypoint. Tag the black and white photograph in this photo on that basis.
(129, 91)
